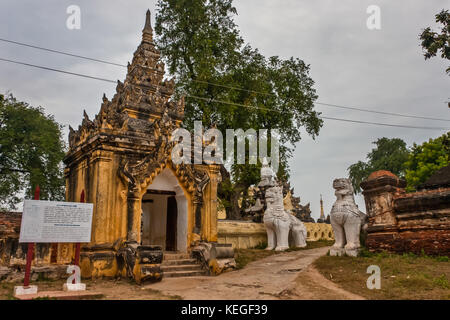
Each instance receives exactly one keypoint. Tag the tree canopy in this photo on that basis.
(434, 42)
(31, 153)
(389, 154)
(415, 164)
(426, 159)
(203, 49)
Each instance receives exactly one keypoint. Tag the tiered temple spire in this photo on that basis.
(322, 214)
(143, 97)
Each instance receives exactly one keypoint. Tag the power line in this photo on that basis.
(217, 101)
(57, 70)
(331, 105)
(62, 52)
(323, 117)
(380, 112)
(230, 87)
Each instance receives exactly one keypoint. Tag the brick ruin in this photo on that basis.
(9, 236)
(408, 222)
(13, 254)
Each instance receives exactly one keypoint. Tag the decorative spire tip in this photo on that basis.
(148, 31)
(148, 25)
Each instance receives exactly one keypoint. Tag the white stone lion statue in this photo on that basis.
(346, 220)
(277, 221)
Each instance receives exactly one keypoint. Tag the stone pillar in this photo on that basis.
(133, 216)
(212, 210)
(379, 191)
(182, 219)
(198, 204)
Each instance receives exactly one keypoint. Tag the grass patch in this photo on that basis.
(406, 276)
(6, 291)
(245, 256)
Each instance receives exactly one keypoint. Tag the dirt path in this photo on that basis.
(287, 275)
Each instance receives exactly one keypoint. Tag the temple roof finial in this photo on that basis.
(147, 32)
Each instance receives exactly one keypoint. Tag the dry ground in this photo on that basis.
(286, 275)
(296, 274)
(111, 289)
(273, 277)
(245, 256)
(402, 276)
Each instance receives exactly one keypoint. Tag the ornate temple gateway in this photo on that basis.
(143, 203)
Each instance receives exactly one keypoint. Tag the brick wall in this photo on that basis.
(10, 224)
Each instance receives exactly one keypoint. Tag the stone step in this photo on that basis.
(176, 256)
(178, 262)
(183, 267)
(174, 274)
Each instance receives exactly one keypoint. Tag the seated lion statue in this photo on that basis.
(278, 222)
(346, 220)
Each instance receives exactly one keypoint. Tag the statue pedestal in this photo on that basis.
(74, 287)
(342, 251)
(337, 252)
(352, 252)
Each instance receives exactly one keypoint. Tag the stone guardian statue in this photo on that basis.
(278, 222)
(346, 220)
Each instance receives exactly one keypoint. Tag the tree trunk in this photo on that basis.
(235, 213)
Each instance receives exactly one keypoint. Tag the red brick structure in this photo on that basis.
(408, 222)
(13, 253)
(9, 235)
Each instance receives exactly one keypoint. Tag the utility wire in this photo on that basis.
(62, 52)
(227, 86)
(57, 70)
(331, 105)
(380, 112)
(323, 117)
(218, 101)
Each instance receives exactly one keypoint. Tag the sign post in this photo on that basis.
(30, 251)
(54, 222)
(78, 245)
(27, 289)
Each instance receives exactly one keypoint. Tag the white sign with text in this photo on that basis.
(54, 221)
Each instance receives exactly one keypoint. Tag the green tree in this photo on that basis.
(425, 159)
(205, 52)
(31, 153)
(389, 154)
(433, 42)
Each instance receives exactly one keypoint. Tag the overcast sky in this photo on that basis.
(351, 65)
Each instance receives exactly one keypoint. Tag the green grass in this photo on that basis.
(406, 276)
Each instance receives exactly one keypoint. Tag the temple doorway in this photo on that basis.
(171, 225)
(164, 214)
